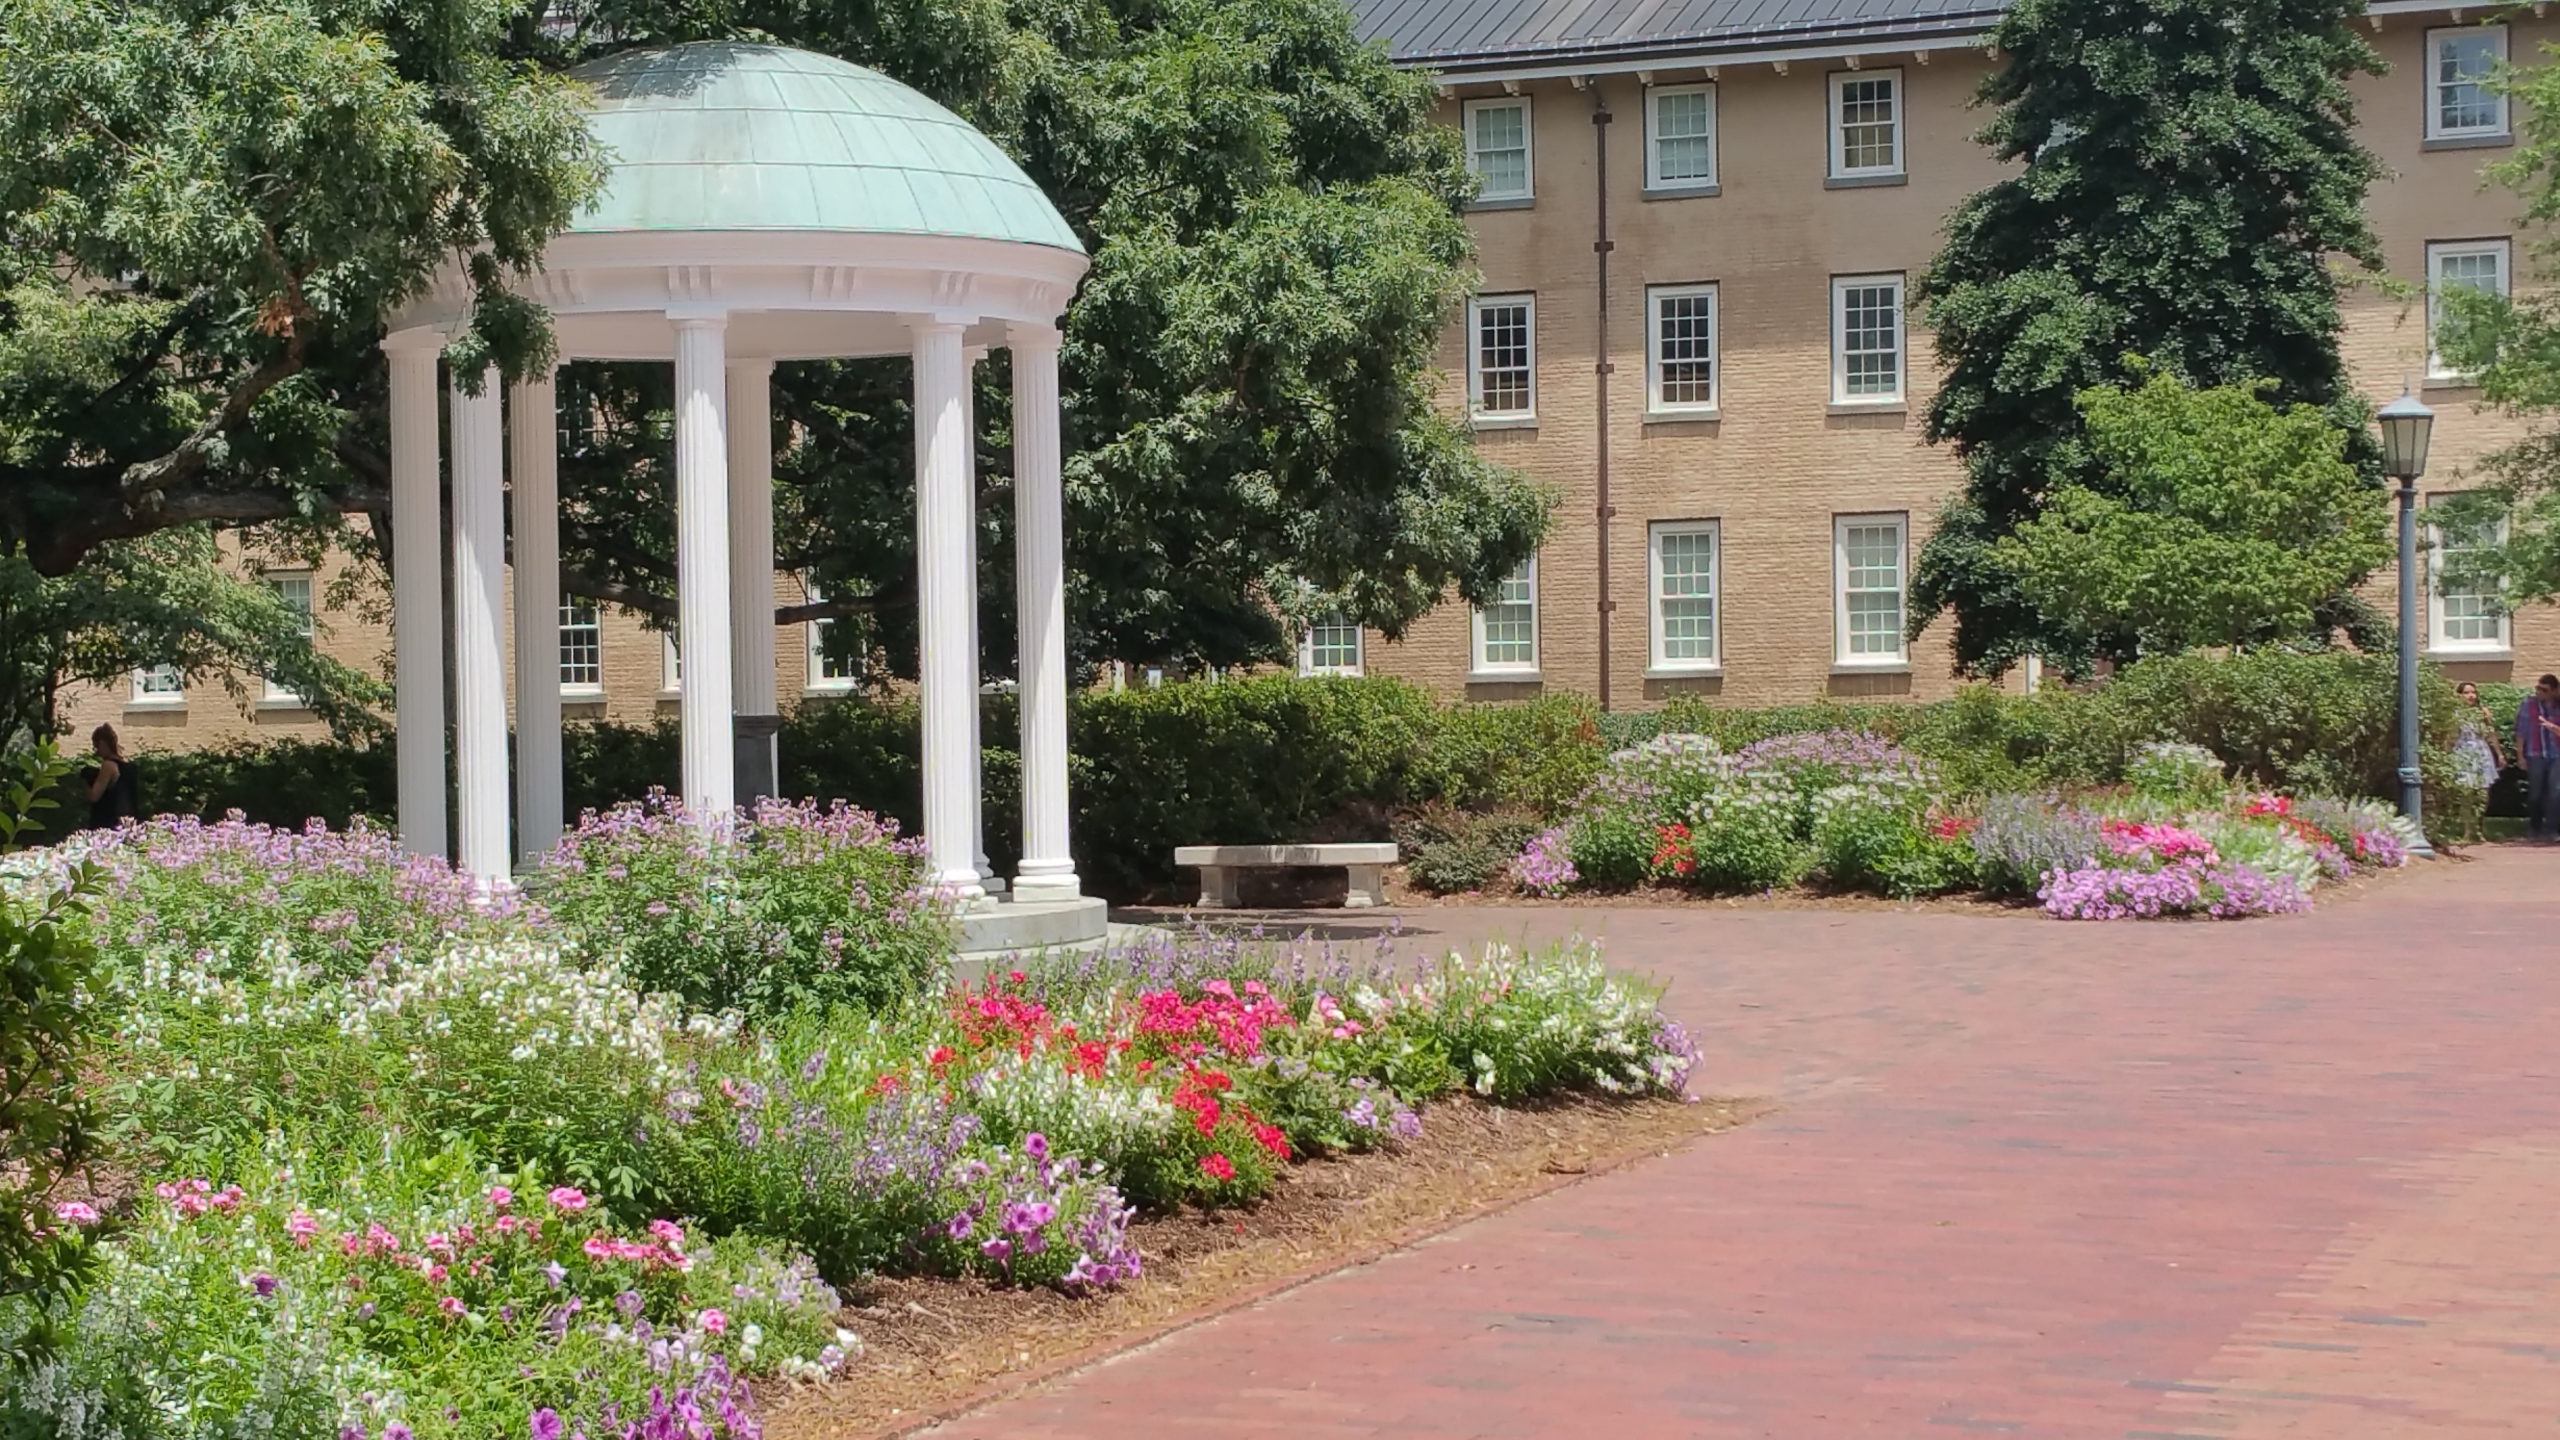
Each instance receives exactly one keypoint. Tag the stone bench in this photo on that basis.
(1219, 865)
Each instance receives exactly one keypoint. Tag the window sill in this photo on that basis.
(1331, 672)
(156, 703)
(277, 704)
(2450, 382)
(2498, 141)
(1698, 191)
(1895, 406)
(1694, 415)
(826, 692)
(2453, 654)
(1503, 677)
(1502, 422)
(1871, 667)
(1865, 182)
(580, 694)
(1517, 202)
(1683, 672)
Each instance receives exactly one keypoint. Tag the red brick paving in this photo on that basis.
(2283, 1178)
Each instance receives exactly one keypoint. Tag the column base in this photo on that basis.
(1041, 889)
(759, 757)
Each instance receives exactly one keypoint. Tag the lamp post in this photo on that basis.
(2406, 423)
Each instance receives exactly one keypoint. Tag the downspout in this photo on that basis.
(1601, 367)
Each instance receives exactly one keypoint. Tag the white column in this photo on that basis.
(1040, 594)
(943, 586)
(417, 590)
(987, 880)
(479, 608)
(702, 568)
(533, 465)
(751, 677)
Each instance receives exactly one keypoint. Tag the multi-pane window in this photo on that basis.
(159, 685)
(1867, 555)
(294, 589)
(1498, 148)
(1680, 353)
(1866, 124)
(581, 646)
(1507, 630)
(1684, 595)
(2469, 614)
(1866, 338)
(1330, 646)
(1680, 137)
(670, 664)
(2462, 103)
(826, 671)
(1502, 356)
(2455, 266)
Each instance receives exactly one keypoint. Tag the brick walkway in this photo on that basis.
(2291, 1177)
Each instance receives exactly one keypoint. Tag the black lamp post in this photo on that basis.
(2406, 424)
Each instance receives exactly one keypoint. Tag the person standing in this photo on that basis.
(2538, 745)
(2477, 757)
(113, 786)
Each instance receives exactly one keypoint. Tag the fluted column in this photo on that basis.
(1040, 592)
(987, 880)
(479, 607)
(943, 586)
(702, 567)
(417, 591)
(533, 464)
(751, 676)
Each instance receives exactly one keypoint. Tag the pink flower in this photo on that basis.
(74, 1212)
(301, 1225)
(500, 1197)
(1217, 1166)
(452, 1305)
(568, 1197)
(714, 1321)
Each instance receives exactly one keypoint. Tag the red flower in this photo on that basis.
(1218, 1166)
(940, 1056)
(887, 1083)
(1272, 1140)
(1951, 827)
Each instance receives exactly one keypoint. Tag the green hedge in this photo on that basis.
(1274, 759)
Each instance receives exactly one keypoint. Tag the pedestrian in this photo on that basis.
(2478, 759)
(2538, 745)
(114, 786)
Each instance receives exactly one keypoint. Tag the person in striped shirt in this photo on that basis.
(2538, 746)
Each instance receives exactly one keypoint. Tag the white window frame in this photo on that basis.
(1481, 668)
(1654, 296)
(1528, 190)
(1841, 285)
(2501, 643)
(1657, 623)
(1655, 182)
(1307, 647)
(2439, 251)
(1842, 657)
(814, 639)
(1476, 306)
(2432, 78)
(272, 693)
(142, 697)
(670, 665)
(1838, 128)
(569, 607)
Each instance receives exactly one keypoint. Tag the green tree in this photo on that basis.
(2222, 520)
(2186, 172)
(1274, 217)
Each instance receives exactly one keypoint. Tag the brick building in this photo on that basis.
(1771, 180)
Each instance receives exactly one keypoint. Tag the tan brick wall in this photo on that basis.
(1775, 467)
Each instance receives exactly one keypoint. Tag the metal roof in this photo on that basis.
(719, 136)
(1460, 35)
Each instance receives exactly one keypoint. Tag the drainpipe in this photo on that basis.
(1601, 367)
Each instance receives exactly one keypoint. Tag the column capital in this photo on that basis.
(698, 317)
(936, 324)
(1025, 335)
(750, 365)
(413, 341)
(974, 354)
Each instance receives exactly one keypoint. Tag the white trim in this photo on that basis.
(2439, 251)
(813, 641)
(137, 698)
(1528, 187)
(1655, 405)
(1654, 180)
(580, 688)
(670, 666)
(1476, 306)
(1668, 61)
(2432, 84)
(1655, 626)
(1900, 656)
(1841, 285)
(1837, 132)
(1307, 646)
(1478, 667)
(2502, 642)
(270, 693)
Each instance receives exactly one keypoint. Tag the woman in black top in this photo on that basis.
(115, 791)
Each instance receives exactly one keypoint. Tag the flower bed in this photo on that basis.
(1850, 812)
(410, 1163)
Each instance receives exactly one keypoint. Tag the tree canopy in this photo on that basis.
(2224, 520)
(2187, 171)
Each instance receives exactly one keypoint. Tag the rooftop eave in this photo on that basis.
(1626, 55)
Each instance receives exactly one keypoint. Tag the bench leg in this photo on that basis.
(1217, 887)
(1367, 887)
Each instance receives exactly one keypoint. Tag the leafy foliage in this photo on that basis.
(2185, 172)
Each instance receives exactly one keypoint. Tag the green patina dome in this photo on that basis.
(717, 136)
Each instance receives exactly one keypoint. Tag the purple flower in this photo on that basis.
(1036, 1145)
(545, 1424)
(396, 1431)
(263, 1283)
(628, 1302)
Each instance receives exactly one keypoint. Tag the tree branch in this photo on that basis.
(58, 552)
(614, 592)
